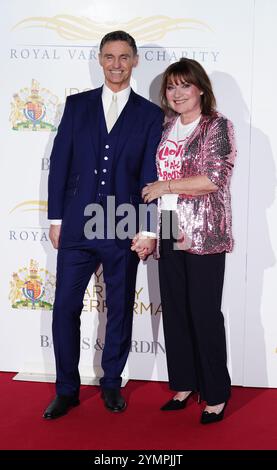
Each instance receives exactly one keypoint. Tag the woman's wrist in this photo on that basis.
(169, 187)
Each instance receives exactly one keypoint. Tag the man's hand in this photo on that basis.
(144, 246)
(54, 235)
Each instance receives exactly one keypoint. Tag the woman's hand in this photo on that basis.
(154, 190)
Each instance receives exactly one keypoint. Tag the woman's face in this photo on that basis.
(184, 98)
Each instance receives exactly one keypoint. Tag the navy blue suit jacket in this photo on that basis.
(72, 183)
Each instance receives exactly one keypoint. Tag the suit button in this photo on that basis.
(107, 146)
(102, 182)
(104, 170)
(95, 172)
(106, 158)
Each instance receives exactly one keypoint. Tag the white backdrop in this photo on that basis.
(49, 50)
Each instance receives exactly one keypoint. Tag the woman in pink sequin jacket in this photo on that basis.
(194, 162)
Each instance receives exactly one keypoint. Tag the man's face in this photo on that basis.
(117, 59)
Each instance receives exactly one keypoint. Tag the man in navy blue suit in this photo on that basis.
(105, 148)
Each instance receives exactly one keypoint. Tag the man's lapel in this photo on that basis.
(129, 122)
(95, 109)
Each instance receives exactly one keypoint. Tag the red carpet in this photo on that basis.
(250, 421)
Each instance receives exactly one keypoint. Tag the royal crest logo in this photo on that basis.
(34, 109)
(32, 288)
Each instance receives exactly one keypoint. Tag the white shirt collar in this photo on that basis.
(122, 95)
(122, 98)
(191, 125)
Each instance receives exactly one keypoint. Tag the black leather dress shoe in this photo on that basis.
(113, 399)
(60, 406)
(207, 418)
(174, 405)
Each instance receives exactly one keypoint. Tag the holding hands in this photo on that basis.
(143, 245)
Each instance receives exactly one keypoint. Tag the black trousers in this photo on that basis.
(191, 292)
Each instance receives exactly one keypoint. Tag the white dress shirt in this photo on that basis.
(121, 96)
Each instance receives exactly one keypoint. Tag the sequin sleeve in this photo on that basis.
(219, 152)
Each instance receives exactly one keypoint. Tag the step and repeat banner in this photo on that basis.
(49, 50)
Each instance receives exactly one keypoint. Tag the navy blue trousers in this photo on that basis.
(75, 266)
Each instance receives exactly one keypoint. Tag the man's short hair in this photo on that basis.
(119, 36)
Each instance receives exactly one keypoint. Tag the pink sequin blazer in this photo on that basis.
(205, 222)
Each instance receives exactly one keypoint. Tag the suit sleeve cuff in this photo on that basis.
(55, 221)
(148, 234)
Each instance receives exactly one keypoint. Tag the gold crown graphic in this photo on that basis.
(34, 87)
(33, 269)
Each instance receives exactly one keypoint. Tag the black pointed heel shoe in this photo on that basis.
(174, 405)
(207, 418)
